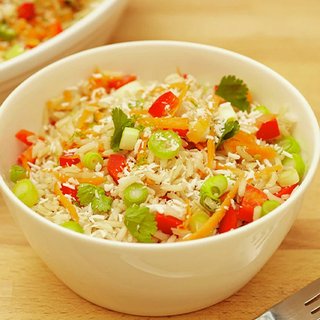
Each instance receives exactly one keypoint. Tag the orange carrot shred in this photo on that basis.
(66, 203)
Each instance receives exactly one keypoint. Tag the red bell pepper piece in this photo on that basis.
(252, 198)
(286, 190)
(68, 160)
(229, 221)
(269, 130)
(72, 192)
(162, 106)
(25, 157)
(23, 135)
(27, 10)
(181, 132)
(116, 83)
(166, 223)
(115, 165)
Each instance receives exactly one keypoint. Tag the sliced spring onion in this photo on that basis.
(268, 206)
(164, 144)
(296, 162)
(129, 138)
(290, 144)
(7, 33)
(211, 190)
(288, 177)
(73, 225)
(26, 191)
(91, 159)
(136, 193)
(13, 52)
(215, 186)
(197, 220)
(262, 109)
(17, 173)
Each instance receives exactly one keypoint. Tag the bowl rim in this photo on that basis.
(313, 163)
(24, 59)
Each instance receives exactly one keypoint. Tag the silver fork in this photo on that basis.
(303, 305)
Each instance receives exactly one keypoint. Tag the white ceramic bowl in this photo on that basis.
(92, 30)
(151, 279)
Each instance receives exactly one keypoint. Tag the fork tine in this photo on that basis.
(305, 304)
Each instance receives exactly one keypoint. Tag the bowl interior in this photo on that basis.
(151, 60)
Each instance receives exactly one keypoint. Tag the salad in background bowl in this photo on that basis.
(182, 276)
(36, 33)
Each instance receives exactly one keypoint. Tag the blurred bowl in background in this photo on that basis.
(92, 30)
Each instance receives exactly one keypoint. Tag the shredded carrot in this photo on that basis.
(211, 148)
(249, 142)
(165, 123)
(66, 203)
(149, 182)
(249, 97)
(202, 174)
(83, 118)
(92, 180)
(214, 220)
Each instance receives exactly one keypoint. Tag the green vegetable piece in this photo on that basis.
(120, 122)
(215, 186)
(197, 220)
(87, 192)
(296, 162)
(290, 144)
(13, 52)
(140, 222)
(26, 191)
(17, 173)
(91, 159)
(268, 206)
(101, 204)
(136, 193)
(211, 190)
(231, 127)
(164, 144)
(73, 225)
(262, 109)
(7, 33)
(129, 138)
(288, 177)
(235, 91)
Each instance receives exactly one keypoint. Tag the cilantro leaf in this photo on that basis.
(235, 91)
(140, 222)
(101, 204)
(120, 121)
(87, 192)
(231, 127)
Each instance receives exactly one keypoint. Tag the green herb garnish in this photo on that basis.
(235, 91)
(140, 222)
(120, 121)
(231, 127)
(89, 193)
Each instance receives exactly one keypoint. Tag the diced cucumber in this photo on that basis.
(129, 138)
